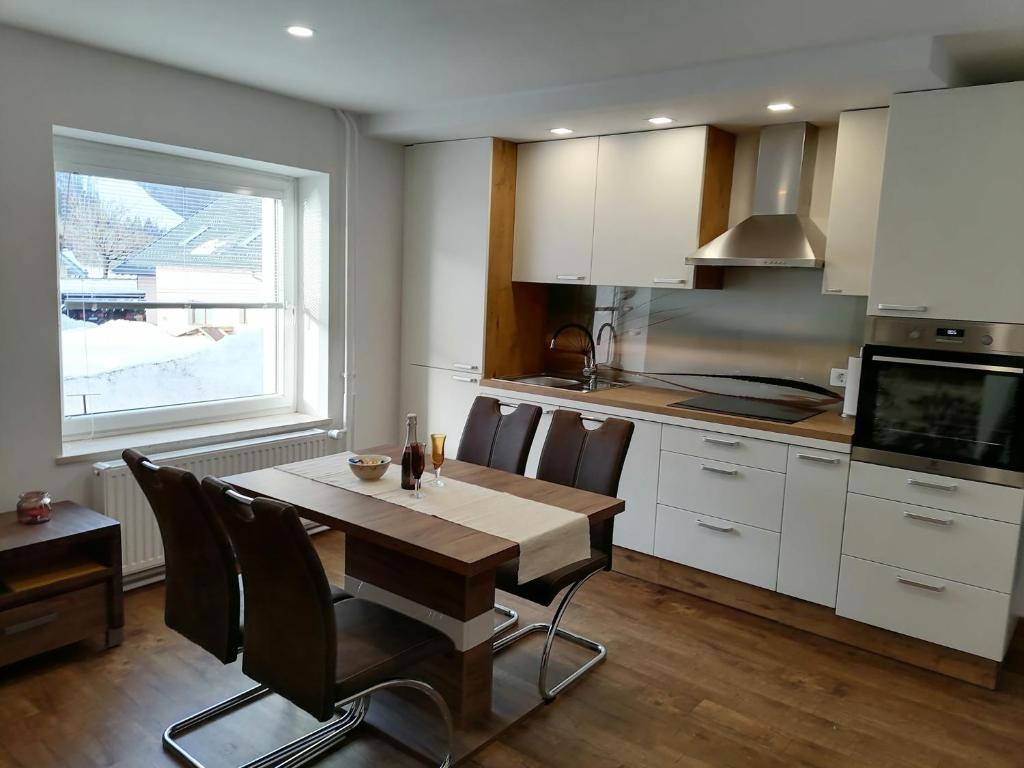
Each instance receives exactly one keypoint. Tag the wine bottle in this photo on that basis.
(411, 445)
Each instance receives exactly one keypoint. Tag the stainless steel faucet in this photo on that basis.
(611, 332)
(589, 357)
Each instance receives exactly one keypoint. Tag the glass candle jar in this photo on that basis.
(33, 507)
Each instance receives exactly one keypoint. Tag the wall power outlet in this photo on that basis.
(837, 378)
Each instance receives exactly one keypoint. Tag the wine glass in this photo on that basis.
(437, 456)
(418, 457)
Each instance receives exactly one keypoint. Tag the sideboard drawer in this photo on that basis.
(968, 497)
(47, 624)
(731, 491)
(937, 610)
(749, 451)
(945, 544)
(720, 546)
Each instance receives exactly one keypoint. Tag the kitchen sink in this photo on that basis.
(561, 382)
(547, 381)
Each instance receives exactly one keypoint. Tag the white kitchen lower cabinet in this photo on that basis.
(940, 611)
(812, 524)
(634, 528)
(441, 400)
(731, 491)
(720, 546)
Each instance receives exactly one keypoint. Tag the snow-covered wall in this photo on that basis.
(46, 82)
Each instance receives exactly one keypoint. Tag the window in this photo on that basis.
(176, 289)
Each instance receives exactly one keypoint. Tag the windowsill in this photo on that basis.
(178, 438)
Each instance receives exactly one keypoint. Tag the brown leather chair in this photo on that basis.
(592, 460)
(498, 440)
(320, 655)
(203, 600)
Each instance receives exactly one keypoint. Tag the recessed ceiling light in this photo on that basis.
(660, 120)
(561, 131)
(297, 30)
(780, 106)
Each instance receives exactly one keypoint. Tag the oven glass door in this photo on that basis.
(960, 408)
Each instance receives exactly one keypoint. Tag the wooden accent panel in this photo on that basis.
(461, 597)
(51, 623)
(809, 617)
(830, 425)
(714, 210)
(514, 340)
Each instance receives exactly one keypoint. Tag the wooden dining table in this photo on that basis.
(436, 571)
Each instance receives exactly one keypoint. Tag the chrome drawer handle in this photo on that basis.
(467, 379)
(570, 277)
(819, 459)
(713, 527)
(927, 518)
(932, 486)
(920, 584)
(903, 307)
(718, 471)
(25, 626)
(465, 367)
(592, 418)
(720, 441)
(670, 280)
(833, 290)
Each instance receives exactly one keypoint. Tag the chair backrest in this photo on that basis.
(499, 440)
(290, 630)
(202, 600)
(589, 459)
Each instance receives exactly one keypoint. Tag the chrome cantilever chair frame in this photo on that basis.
(513, 618)
(552, 630)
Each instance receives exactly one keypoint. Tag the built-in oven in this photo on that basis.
(943, 397)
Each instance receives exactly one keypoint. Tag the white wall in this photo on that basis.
(46, 82)
(376, 302)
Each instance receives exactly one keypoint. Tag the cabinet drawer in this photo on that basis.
(748, 451)
(47, 624)
(741, 494)
(944, 544)
(967, 497)
(945, 612)
(720, 546)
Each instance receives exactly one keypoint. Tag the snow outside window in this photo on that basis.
(175, 290)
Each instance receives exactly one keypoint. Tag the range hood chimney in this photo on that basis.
(779, 233)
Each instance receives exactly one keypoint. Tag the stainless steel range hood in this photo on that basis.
(780, 232)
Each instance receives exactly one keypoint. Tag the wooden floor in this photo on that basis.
(687, 683)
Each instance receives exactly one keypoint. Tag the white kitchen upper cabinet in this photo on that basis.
(856, 190)
(446, 236)
(949, 237)
(441, 400)
(648, 207)
(554, 227)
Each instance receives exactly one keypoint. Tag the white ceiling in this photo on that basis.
(422, 69)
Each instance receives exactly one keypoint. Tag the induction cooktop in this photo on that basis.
(742, 406)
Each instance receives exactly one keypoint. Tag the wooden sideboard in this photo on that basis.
(60, 582)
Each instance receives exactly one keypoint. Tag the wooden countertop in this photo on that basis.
(829, 426)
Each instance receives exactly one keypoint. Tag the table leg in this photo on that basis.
(460, 606)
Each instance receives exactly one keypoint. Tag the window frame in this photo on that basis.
(73, 155)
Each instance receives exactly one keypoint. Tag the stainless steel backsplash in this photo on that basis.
(765, 322)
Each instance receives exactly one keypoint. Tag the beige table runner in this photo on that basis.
(549, 537)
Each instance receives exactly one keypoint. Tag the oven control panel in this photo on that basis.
(993, 338)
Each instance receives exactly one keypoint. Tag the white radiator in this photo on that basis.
(117, 495)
